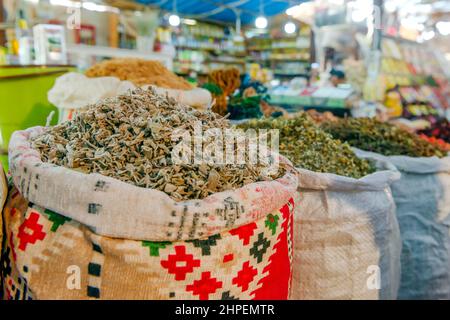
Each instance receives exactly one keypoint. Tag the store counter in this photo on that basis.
(23, 95)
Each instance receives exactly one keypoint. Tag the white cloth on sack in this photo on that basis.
(74, 91)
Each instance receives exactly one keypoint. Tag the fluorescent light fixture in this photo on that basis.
(336, 2)
(91, 6)
(174, 20)
(94, 7)
(290, 27)
(261, 22)
(358, 16)
(304, 11)
(275, 82)
(443, 27)
(65, 3)
(360, 10)
(412, 23)
(292, 10)
(190, 22)
(428, 35)
(390, 6)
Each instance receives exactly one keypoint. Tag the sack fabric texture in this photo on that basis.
(3, 195)
(346, 237)
(422, 196)
(77, 236)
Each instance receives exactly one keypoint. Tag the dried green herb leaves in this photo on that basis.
(384, 138)
(309, 147)
(129, 138)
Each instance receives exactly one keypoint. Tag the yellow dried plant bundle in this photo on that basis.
(140, 72)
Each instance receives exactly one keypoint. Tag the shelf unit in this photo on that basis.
(99, 51)
(287, 57)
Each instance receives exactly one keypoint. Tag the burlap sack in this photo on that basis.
(346, 237)
(77, 236)
(422, 196)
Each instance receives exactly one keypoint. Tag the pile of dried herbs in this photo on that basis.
(129, 138)
(140, 72)
(309, 147)
(384, 138)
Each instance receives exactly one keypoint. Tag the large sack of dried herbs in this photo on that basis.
(422, 197)
(98, 211)
(347, 242)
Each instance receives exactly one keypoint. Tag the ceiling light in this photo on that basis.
(443, 27)
(190, 22)
(174, 20)
(428, 35)
(290, 27)
(65, 3)
(390, 6)
(261, 22)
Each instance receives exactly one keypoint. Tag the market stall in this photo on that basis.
(214, 151)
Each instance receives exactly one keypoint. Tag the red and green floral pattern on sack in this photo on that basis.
(49, 256)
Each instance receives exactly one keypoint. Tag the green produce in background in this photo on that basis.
(309, 147)
(387, 139)
(241, 107)
(213, 88)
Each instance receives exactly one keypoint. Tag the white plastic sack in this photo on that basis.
(197, 97)
(347, 242)
(422, 196)
(74, 91)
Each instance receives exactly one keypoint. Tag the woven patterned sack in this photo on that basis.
(77, 236)
(346, 237)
